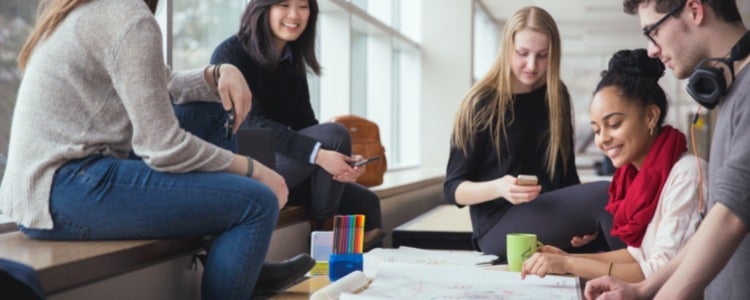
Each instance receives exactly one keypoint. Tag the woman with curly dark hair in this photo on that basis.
(656, 192)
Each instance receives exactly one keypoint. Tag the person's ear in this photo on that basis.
(652, 115)
(697, 11)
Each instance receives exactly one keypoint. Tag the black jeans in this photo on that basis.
(312, 186)
(556, 217)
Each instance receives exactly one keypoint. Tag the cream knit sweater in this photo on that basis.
(98, 84)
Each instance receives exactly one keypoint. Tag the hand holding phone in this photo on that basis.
(527, 180)
(229, 124)
(364, 161)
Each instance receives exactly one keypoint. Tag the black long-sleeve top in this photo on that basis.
(281, 100)
(522, 152)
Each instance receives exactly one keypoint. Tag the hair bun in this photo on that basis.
(636, 62)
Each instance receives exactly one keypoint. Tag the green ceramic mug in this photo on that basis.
(520, 246)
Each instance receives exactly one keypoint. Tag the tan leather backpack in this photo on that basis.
(366, 142)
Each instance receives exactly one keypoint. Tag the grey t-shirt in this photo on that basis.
(728, 178)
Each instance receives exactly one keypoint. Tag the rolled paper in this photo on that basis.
(351, 283)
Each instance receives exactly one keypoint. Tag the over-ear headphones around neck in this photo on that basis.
(707, 85)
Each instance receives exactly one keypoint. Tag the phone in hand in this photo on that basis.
(364, 161)
(229, 124)
(527, 180)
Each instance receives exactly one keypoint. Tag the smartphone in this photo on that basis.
(527, 180)
(364, 161)
(229, 124)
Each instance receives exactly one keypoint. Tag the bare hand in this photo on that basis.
(273, 180)
(551, 250)
(610, 288)
(337, 165)
(358, 170)
(583, 240)
(517, 194)
(541, 264)
(234, 92)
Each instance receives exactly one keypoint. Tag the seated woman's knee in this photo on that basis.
(599, 186)
(263, 198)
(337, 137)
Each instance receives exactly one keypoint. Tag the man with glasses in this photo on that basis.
(650, 30)
(715, 263)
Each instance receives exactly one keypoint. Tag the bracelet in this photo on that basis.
(609, 271)
(216, 75)
(250, 166)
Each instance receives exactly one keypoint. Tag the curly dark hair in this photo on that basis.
(636, 76)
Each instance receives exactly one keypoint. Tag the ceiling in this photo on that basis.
(588, 26)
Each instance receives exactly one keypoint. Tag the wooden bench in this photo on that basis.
(62, 265)
(66, 268)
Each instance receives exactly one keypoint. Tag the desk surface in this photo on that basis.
(304, 289)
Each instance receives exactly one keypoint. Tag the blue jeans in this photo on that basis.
(107, 198)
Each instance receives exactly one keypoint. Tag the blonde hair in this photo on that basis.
(474, 116)
(50, 14)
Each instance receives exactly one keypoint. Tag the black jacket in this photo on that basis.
(281, 100)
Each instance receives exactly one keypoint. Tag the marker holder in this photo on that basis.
(339, 265)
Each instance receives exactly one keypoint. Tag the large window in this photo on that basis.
(367, 49)
(193, 28)
(371, 68)
(486, 41)
(16, 21)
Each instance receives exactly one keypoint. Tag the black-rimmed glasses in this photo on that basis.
(650, 28)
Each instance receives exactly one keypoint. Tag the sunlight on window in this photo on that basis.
(16, 20)
(370, 62)
(199, 26)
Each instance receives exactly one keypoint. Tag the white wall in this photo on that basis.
(446, 73)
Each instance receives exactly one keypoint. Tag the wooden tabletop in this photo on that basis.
(304, 289)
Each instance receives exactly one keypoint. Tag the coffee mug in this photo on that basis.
(520, 246)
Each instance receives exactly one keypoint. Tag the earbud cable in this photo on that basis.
(698, 159)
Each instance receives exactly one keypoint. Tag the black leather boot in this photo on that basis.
(275, 277)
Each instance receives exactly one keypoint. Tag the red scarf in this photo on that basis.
(634, 194)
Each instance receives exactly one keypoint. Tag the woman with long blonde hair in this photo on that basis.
(517, 121)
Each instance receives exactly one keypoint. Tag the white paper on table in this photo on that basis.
(421, 281)
(374, 257)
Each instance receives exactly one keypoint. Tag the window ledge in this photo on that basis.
(62, 265)
(404, 180)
